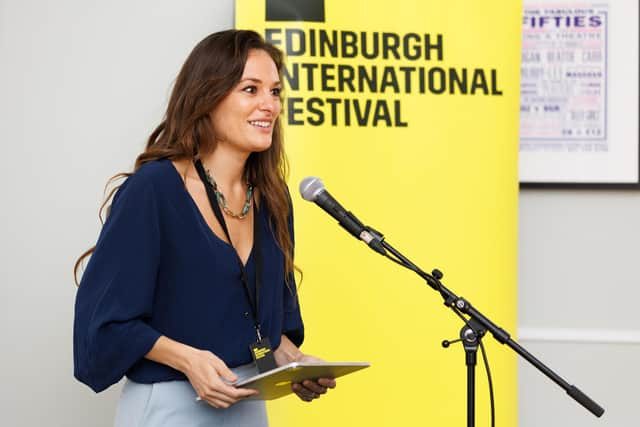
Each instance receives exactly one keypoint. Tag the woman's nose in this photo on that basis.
(268, 102)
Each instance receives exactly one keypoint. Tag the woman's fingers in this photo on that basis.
(230, 392)
(218, 400)
(225, 395)
(327, 382)
(314, 387)
(309, 389)
(303, 393)
(240, 393)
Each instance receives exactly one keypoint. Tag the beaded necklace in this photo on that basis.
(223, 202)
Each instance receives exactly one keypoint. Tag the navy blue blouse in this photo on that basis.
(158, 269)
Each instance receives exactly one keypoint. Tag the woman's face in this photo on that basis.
(244, 119)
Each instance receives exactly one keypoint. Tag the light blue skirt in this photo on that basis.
(173, 403)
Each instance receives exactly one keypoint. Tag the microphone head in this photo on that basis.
(310, 188)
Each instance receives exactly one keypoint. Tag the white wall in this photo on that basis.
(83, 82)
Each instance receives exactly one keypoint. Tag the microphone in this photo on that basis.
(312, 190)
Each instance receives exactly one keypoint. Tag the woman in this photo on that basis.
(195, 261)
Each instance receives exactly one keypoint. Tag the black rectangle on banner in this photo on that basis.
(295, 10)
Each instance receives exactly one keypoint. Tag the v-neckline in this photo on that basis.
(204, 223)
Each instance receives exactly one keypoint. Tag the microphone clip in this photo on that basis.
(373, 239)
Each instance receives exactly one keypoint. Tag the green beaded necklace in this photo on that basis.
(223, 202)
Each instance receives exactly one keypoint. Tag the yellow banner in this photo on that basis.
(408, 111)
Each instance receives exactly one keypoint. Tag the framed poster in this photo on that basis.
(579, 94)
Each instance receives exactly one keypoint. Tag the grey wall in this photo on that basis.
(578, 311)
(81, 84)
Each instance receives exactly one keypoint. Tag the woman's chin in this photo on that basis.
(260, 146)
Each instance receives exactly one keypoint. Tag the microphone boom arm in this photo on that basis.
(459, 304)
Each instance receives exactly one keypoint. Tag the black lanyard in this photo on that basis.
(257, 254)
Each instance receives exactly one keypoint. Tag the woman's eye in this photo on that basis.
(276, 91)
(250, 89)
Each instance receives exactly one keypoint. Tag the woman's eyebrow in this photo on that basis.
(256, 80)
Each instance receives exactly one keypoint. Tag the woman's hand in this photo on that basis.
(211, 379)
(307, 390)
(208, 374)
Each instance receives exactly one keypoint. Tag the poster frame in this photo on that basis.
(595, 183)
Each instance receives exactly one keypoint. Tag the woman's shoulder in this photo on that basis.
(157, 176)
(160, 175)
(156, 171)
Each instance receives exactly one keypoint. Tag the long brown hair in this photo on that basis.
(213, 68)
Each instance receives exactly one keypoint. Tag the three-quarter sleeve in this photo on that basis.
(115, 297)
(292, 325)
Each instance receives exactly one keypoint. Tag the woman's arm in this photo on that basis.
(307, 390)
(115, 297)
(206, 372)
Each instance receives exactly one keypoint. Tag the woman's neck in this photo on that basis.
(227, 168)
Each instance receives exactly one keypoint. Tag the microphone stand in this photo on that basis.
(473, 331)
